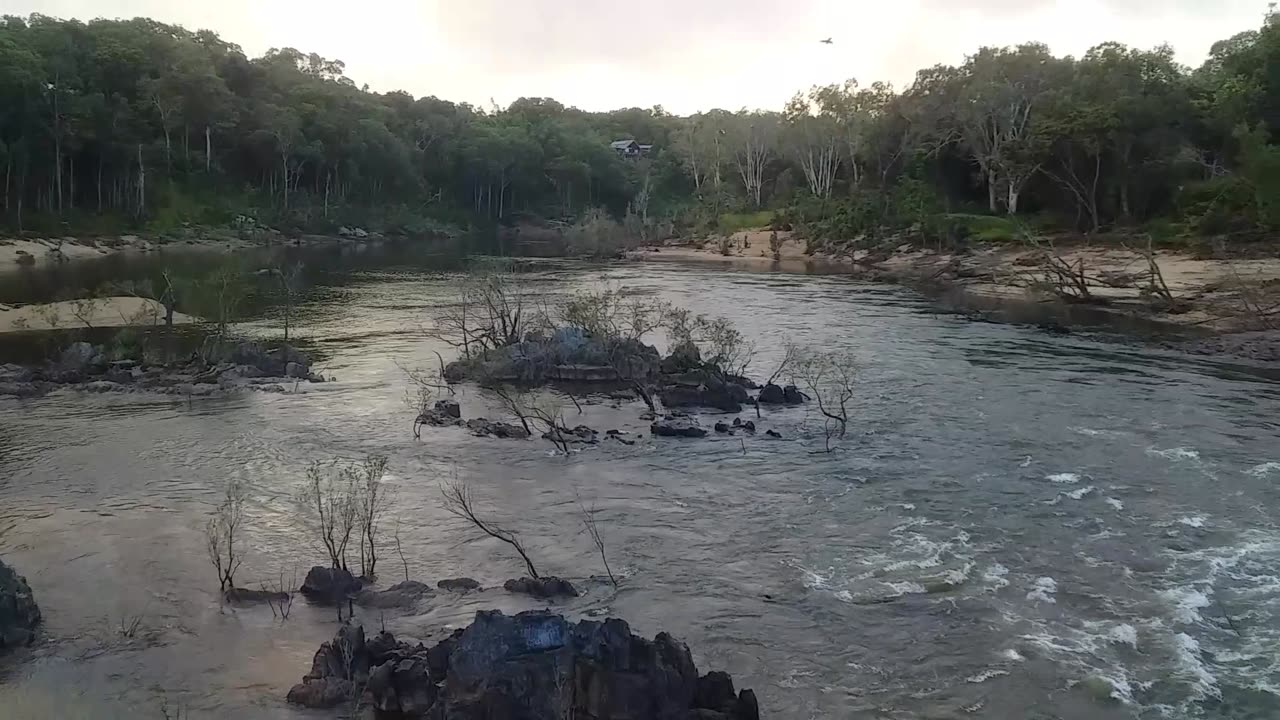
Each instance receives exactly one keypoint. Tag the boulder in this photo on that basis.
(771, 395)
(329, 585)
(482, 427)
(748, 426)
(400, 595)
(531, 666)
(580, 434)
(19, 614)
(458, 584)
(684, 356)
(271, 363)
(791, 395)
(297, 370)
(723, 429)
(672, 426)
(443, 414)
(773, 433)
(702, 389)
(545, 588)
(78, 357)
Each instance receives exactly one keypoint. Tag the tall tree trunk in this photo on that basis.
(142, 182)
(186, 147)
(8, 165)
(71, 182)
(208, 150)
(284, 170)
(99, 183)
(991, 191)
(1014, 193)
(1125, 212)
(328, 177)
(168, 153)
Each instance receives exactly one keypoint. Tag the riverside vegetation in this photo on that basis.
(115, 125)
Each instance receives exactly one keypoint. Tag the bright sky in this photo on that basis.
(686, 55)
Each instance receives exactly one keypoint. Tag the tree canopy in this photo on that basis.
(147, 123)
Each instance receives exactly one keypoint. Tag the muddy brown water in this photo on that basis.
(1018, 525)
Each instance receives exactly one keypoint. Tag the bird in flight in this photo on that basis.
(828, 41)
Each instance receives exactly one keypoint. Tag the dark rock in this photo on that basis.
(671, 426)
(493, 428)
(771, 395)
(458, 584)
(715, 692)
(723, 428)
(713, 394)
(400, 595)
(624, 441)
(773, 433)
(244, 595)
(321, 694)
(581, 433)
(614, 433)
(296, 370)
(533, 666)
(329, 585)
(748, 426)
(16, 374)
(19, 614)
(442, 414)
(545, 588)
(685, 356)
(791, 395)
(272, 363)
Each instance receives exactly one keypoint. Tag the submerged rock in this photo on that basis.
(533, 666)
(19, 614)
(545, 588)
(677, 426)
(462, 584)
(777, 395)
(443, 414)
(400, 595)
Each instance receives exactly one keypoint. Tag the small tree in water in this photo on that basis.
(830, 379)
(331, 506)
(222, 538)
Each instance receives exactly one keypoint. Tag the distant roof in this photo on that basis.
(646, 147)
(618, 144)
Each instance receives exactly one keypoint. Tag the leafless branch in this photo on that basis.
(458, 501)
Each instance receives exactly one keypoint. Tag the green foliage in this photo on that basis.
(987, 228)
(729, 223)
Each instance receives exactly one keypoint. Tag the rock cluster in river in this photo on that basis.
(531, 666)
(92, 369)
(19, 614)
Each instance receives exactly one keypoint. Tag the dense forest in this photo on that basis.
(108, 125)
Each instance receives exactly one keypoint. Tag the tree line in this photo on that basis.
(143, 123)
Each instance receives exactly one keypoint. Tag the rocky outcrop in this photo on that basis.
(443, 414)
(328, 585)
(579, 434)
(684, 357)
(677, 426)
(700, 388)
(480, 427)
(19, 614)
(533, 666)
(400, 595)
(776, 395)
(463, 584)
(89, 367)
(546, 588)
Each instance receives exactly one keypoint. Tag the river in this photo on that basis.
(1018, 525)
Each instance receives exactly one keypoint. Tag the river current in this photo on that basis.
(1018, 525)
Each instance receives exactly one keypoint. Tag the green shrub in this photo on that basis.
(988, 228)
(730, 223)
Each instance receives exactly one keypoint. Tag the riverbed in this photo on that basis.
(1018, 525)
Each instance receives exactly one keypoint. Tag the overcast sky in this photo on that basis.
(686, 55)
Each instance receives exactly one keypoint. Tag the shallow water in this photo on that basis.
(1018, 525)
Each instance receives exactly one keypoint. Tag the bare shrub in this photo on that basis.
(373, 498)
(830, 379)
(459, 502)
(790, 353)
(279, 595)
(611, 313)
(592, 526)
(222, 538)
(332, 508)
(492, 309)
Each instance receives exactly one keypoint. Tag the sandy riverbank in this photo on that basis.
(119, 311)
(1216, 294)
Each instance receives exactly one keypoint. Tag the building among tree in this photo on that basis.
(630, 148)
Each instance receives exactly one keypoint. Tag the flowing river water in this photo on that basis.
(1019, 525)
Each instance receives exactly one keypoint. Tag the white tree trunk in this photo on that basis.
(142, 182)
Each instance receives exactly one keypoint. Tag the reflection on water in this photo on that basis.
(1017, 522)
